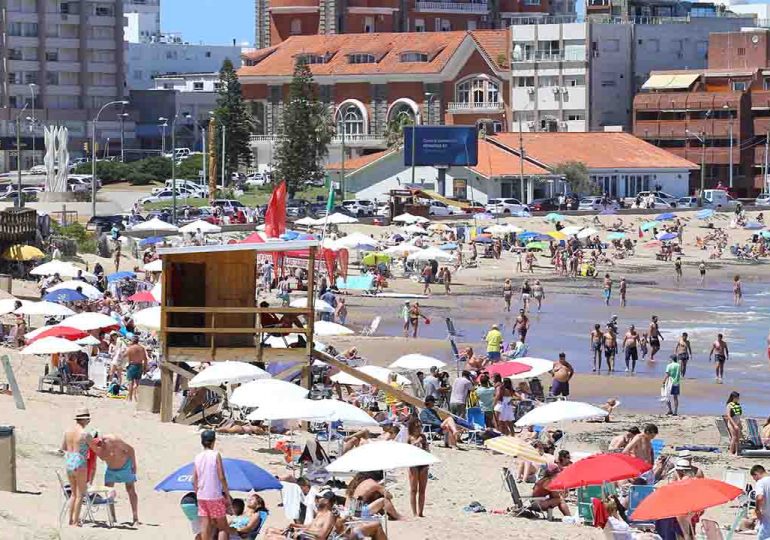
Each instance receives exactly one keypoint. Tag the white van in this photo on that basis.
(189, 184)
(716, 198)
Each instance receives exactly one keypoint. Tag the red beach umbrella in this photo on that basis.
(506, 369)
(685, 497)
(253, 238)
(65, 332)
(600, 468)
(142, 296)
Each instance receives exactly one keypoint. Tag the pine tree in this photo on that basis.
(232, 114)
(304, 135)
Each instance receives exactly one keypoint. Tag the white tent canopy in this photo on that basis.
(382, 455)
(154, 225)
(64, 269)
(266, 391)
(416, 362)
(229, 372)
(91, 292)
(148, 318)
(157, 291)
(560, 411)
(47, 309)
(90, 321)
(430, 253)
(51, 345)
(401, 249)
(380, 373)
(307, 221)
(204, 226)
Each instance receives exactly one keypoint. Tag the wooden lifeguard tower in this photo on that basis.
(210, 312)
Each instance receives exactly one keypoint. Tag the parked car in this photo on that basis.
(85, 179)
(181, 183)
(763, 199)
(542, 205)
(595, 204)
(228, 206)
(296, 208)
(670, 200)
(684, 202)
(383, 209)
(359, 208)
(256, 180)
(77, 185)
(506, 206)
(105, 223)
(168, 194)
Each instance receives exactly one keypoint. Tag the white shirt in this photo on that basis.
(763, 488)
(618, 529)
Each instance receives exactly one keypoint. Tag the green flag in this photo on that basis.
(330, 200)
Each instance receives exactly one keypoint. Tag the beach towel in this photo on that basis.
(357, 283)
(600, 513)
(291, 495)
(698, 448)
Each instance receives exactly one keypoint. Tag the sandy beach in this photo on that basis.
(570, 309)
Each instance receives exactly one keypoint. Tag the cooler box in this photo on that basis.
(7, 459)
(148, 396)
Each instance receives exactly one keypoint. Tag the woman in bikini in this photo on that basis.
(75, 448)
(508, 294)
(737, 290)
(418, 476)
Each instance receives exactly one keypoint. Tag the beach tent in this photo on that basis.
(572, 230)
(401, 249)
(663, 237)
(416, 362)
(537, 367)
(8, 305)
(647, 225)
(204, 226)
(265, 391)
(665, 216)
(517, 448)
(291, 410)
(336, 219)
(588, 231)
(241, 475)
(560, 411)
(382, 455)
(89, 340)
(308, 221)
(616, 236)
(64, 296)
(554, 216)
(356, 241)
(405, 218)
(65, 332)
(229, 372)
(154, 225)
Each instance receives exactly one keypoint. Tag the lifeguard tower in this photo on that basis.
(210, 312)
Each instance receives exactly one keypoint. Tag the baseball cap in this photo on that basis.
(208, 436)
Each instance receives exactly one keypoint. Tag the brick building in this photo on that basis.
(718, 116)
(369, 80)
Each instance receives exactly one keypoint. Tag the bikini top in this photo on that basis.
(735, 409)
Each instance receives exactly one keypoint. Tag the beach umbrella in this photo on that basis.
(416, 362)
(415, 229)
(157, 291)
(264, 391)
(319, 305)
(356, 241)
(554, 216)
(154, 266)
(647, 225)
(64, 269)
(380, 373)
(8, 305)
(22, 253)
(401, 249)
(665, 216)
(51, 345)
(684, 497)
(228, 372)
(86, 288)
(347, 413)
(513, 228)
(706, 213)
(62, 296)
(537, 246)
(306, 410)
(89, 340)
(148, 318)
(142, 296)
(537, 367)
(382, 456)
(338, 219)
(44, 308)
(326, 328)
(199, 225)
(664, 237)
(151, 241)
(497, 229)
(449, 246)
(405, 218)
(588, 231)
(557, 235)
(154, 225)
(308, 222)
(241, 475)
(572, 230)
(430, 253)
(507, 369)
(616, 236)
(438, 227)
(517, 448)
(526, 235)
(117, 276)
(65, 332)
(373, 259)
(598, 469)
(560, 411)
(91, 321)
(254, 238)
(753, 226)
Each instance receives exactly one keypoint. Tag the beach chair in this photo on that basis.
(93, 500)
(724, 434)
(536, 387)
(518, 507)
(755, 446)
(636, 494)
(657, 446)
(711, 530)
(477, 423)
(450, 327)
(372, 328)
(52, 379)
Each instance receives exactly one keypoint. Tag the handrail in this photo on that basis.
(226, 310)
(234, 330)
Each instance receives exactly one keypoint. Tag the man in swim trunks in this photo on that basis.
(654, 337)
(610, 347)
(562, 373)
(630, 347)
(120, 458)
(521, 325)
(137, 365)
(720, 353)
(683, 352)
(641, 445)
(678, 269)
(596, 346)
(607, 289)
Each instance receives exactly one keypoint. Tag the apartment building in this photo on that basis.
(583, 76)
(718, 116)
(63, 60)
(142, 20)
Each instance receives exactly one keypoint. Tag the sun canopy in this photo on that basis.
(675, 81)
(597, 469)
(684, 497)
(380, 373)
(154, 266)
(154, 225)
(319, 305)
(90, 321)
(417, 362)
(518, 448)
(86, 288)
(382, 455)
(430, 253)
(64, 269)
(326, 328)
(199, 225)
(44, 308)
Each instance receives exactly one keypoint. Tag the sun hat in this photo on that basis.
(683, 464)
(82, 414)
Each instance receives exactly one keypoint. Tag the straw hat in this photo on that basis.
(82, 414)
(683, 464)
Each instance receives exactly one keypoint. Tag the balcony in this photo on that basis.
(466, 107)
(543, 56)
(452, 7)
(350, 140)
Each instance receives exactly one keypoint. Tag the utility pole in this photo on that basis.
(731, 151)
(767, 141)
(702, 168)
(123, 117)
(212, 159)
(521, 162)
(173, 169)
(224, 153)
(414, 139)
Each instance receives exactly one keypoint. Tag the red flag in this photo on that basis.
(275, 217)
(342, 261)
(640, 233)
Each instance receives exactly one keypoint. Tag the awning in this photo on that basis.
(681, 81)
(436, 197)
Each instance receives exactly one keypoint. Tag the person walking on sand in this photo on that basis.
(596, 337)
(674, 375)
(521, 325)
(75, 448)
(210, 486)
(654, 337)
(538, 293)
(120, 459)
(418, 476)
(136, 355)
(507, 294)
(631, 348)
(427, 277)
(678, 269)
(737, 290)
(414, 318)
(702, 271)
(519, 261)
(683, 351)
(117, 254)
(622, 288)
(720, 353)
(446, 277)
(607, 289)
(732, 416)
(610, 348)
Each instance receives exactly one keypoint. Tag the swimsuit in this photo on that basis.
(74, 461)
(134, 372)
(720, 358)
(504, 409)
(559, 388)
(123, 475)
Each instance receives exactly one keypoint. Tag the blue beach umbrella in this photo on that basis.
(62, 296)
(241, 475)
(647, 225)
(526, 235)
(664, 237)
(706, 213)
(121, 275)
(289, 235)
(449, 246)
(753, 226)
(616, 236)
(554, 216)
(665, 217)
(152, 240)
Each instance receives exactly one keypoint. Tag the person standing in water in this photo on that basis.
(683, 352)
(631, 348)
(595, 340)
(526, 293)
(607, 289)
(678, 269)
(610, 348)
(622, 291)
(720, 353)
(521, 325)
(538, 294)
(702, 271)
(507, 293)
(737, 290)
(654, 337)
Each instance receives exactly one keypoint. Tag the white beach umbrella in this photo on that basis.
(204, 226)
(154, 225)
(8, 305)
(560, 411)
(265, 391)
(401, 249)
(148, 318)
(420, 219)
(415, 229)
(380, 373)
(291, 409)
(588, 231)
(497, 229)
(154, 266)
(51, 345)
(539, 366)
(320, 305)
(382, 455)
(430, 253)
(513, 228)
(90, 321)
(308, 221)
(572, 230)
(64, 269)
(337, 219)
(416, 361)
(229, 372)
(406, 217)
(438, 227)
(341, 411)
(356, 241)
(326, 328)
(88, 290)
(157, 291)
(47, 309)
(88, 340)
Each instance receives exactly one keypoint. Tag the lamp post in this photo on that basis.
(122, 117)
(429, 96)
(32, 87)
(173, 168)
(702, 139)
(93, 151)
(19, 201)
(163, 125)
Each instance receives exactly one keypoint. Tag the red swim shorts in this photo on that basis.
(215, 508)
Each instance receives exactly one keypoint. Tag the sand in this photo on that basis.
(460, 478)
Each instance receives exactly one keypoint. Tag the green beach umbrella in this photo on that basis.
(539, 246)
(553, 216)
(373, 259)
(647, 225)
(616, 236)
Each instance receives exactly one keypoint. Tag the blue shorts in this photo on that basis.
(134, 372)
(124, 475)
(493, 355)
(675, 390)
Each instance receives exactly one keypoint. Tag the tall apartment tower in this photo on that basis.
(142, 18)
(62, 60)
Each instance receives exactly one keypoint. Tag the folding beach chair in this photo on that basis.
(477, 423)
(536, 387)
(636, 494)
(372, 328)
(518, 508)
(450, 327)
(93, 500)
(752, 446)
(724, 434)
(657, 446)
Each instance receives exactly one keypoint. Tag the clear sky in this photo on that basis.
(214, 22)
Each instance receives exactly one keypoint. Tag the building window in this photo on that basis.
(312, 59)
(574, 80)
(478, 91)
(30, 77)
(351, 120)
(414, 57)
(208, 54)
(217, 86)
(525, 82)
(460, 188)
(419, 25)
(766, 83)
(545, 81)
(572, 117)
(104, 10)
(741, 51)
(652, 45)
(137, 74)
(740, 86)
(361, 58)
(531, 2)
(52, 78)
(443, 25)
(197, 86)
(168, 86)
(296, 27)
(51, 56)
(368, 25)
(14, 54)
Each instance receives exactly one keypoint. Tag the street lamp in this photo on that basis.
(173, 168)
(32, 87)
(163, 125)
(122, 117)
(197, 124)
(93, 151)
(19, 201)
(429, 96)
(702, 139)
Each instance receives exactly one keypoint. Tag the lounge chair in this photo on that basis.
(518, 507)
(52, 379)
(93, 500)
(536, 387)
(757, 448)
(477, 425)
(636, 494)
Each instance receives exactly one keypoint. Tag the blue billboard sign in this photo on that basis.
(441, 145)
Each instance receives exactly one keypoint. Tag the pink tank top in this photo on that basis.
(209, 486)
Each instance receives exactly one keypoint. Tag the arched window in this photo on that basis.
(350, 119)
(296, 27)
(478, 91)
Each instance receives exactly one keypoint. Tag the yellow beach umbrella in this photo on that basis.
(557, 235)
(22, 253)
(511, 446)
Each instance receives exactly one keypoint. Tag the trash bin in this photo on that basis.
(7, 459)
(148, 396)
(6, 282)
